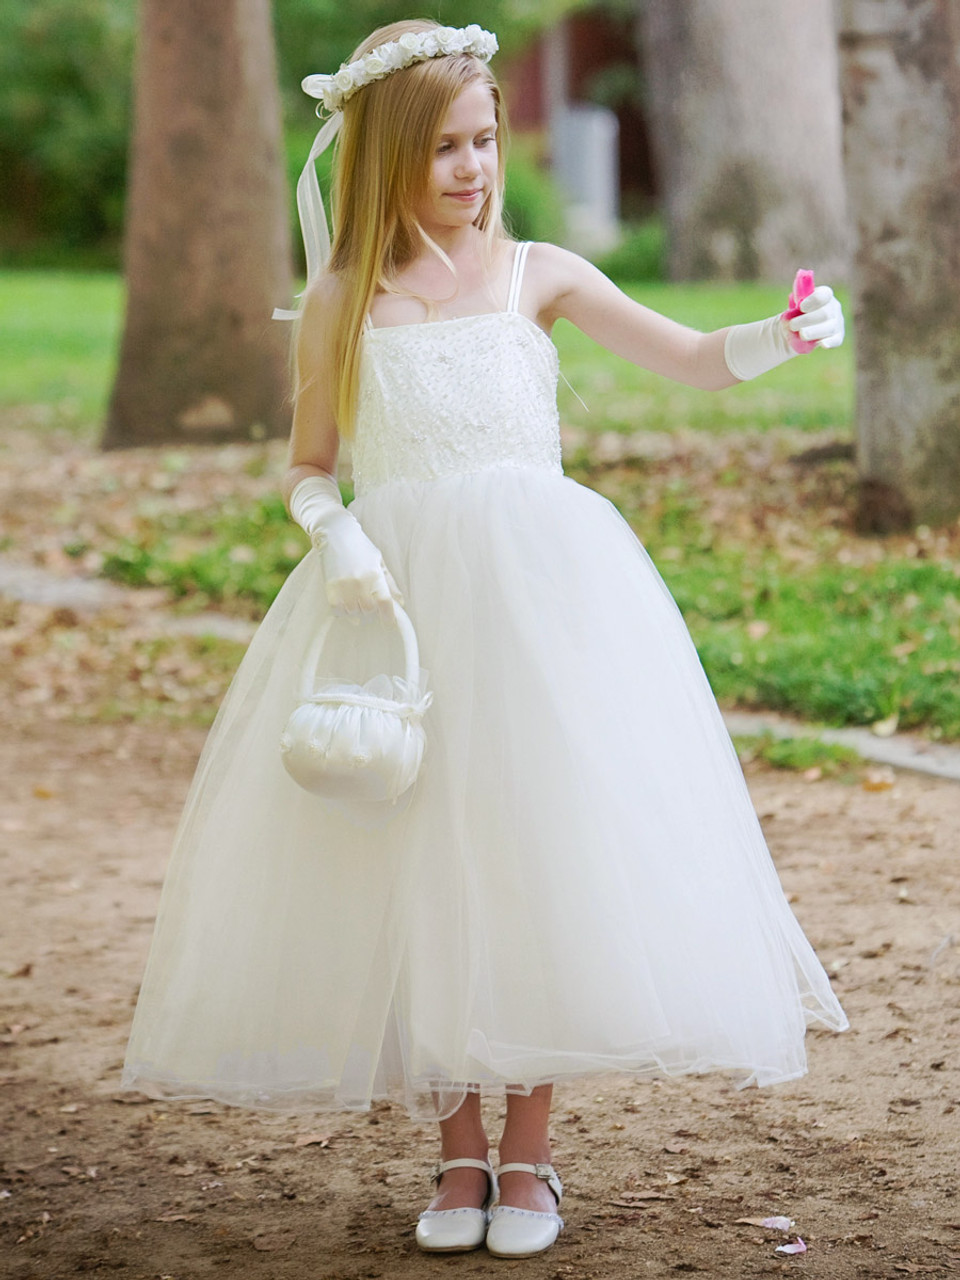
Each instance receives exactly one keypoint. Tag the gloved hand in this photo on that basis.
(358, 582)
(822, 319)
(752, 349)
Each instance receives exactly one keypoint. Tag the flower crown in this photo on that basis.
(413, 46)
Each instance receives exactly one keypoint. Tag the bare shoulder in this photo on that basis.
(556, 276)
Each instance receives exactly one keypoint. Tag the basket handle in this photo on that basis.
(408, 636)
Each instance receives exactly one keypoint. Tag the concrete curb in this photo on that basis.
(902, 750)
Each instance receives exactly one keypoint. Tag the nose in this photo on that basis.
(469, 163)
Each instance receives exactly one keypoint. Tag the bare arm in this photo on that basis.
(314, 441)
(573, 289)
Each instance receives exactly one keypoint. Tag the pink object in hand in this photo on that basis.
(803, 286)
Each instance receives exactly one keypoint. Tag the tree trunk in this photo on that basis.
(900, 64)
(745, 113)
(207, 250)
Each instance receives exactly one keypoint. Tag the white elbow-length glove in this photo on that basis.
(357, 580)
(752, 349)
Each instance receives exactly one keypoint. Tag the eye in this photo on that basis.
(486, 139)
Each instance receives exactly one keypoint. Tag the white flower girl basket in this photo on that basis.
(358, 742)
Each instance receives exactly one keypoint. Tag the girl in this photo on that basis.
(578, 882)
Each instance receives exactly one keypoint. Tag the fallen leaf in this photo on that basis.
(886, 728)
(312, 1140)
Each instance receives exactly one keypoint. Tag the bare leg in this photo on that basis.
(526, 1139)
(462, 1134)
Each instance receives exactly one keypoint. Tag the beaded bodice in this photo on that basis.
(452, 397)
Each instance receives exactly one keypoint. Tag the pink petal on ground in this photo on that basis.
(797, 1246)
(777, 1224)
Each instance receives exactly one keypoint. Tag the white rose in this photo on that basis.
(448, 39)
(410, 42)
(473, 34)
(374, 65)
(394, 57)
(344, 81)
(430, 46)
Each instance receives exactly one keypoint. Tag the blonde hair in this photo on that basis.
(381, 169)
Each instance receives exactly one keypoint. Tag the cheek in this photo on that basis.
(438, 176)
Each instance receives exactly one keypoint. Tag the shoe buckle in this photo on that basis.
(544, 1171)
(437, 1173)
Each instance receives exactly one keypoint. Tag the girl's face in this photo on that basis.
(463, 171)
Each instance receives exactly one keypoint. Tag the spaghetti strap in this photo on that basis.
(516, 275)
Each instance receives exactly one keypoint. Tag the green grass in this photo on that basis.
(835, 645)
(840, 643)
(59, 335)
(234, 556)
(58, 338)
(800, 754)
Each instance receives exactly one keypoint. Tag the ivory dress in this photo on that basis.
(578, 883)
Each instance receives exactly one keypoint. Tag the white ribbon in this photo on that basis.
(313, 219)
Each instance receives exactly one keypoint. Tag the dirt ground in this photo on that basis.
(863, 1153)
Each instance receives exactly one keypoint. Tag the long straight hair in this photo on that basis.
(381, 170)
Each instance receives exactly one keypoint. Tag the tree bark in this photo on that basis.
(207, 251)
(745, 113)
(900, 64)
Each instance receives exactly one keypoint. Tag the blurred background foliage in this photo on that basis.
(65, 89)
(66, 70)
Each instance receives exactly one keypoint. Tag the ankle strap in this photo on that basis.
(545, 1172)
(467, 1163)
(464, 1163)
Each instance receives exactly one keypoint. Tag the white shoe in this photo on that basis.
(521, 1233)
(456, 1230)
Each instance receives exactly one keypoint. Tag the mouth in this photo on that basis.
(465, 196)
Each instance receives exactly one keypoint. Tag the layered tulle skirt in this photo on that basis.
(577, 883)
